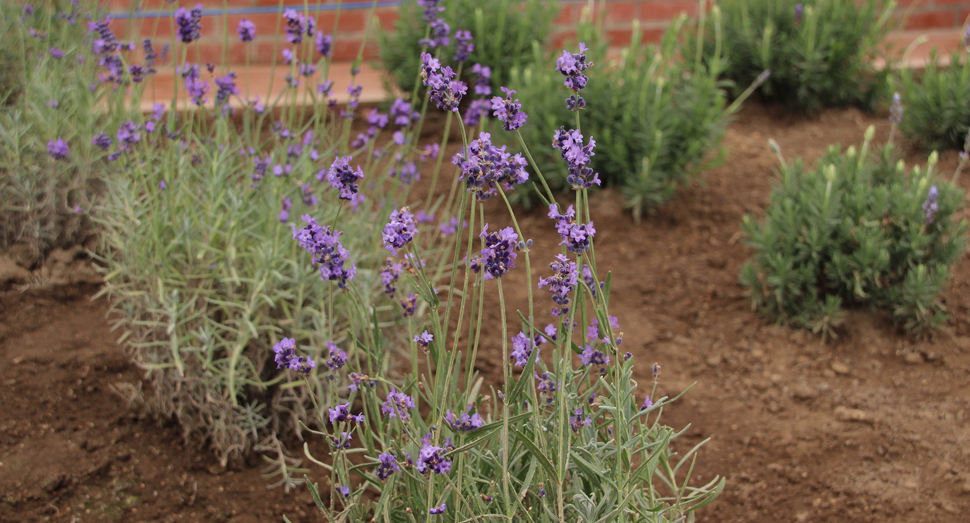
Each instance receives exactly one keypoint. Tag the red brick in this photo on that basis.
(621, 11)
(666, 9)
(619, 37)
(652, 35)
(387, 17)
(958, 3)
(930, 20)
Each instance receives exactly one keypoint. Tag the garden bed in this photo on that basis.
(870, 427)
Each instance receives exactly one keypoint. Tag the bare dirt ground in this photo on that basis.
(869, 428)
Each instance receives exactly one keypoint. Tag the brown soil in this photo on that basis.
(869, 428)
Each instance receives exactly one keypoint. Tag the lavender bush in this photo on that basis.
(48, 178)
(271, 272)
(858, 229)
(937, 101)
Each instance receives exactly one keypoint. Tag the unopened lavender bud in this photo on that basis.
(763, 77)
(829, 171)
(850, 152)
(773, 145)
(528, 243)
(934, 157)
(870, 133)
(900, 166)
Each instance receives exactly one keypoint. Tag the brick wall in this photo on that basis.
(654, 17)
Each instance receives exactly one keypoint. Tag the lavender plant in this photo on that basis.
(47, 180)
(656, 118)
(937, 101)
(257, 329)
(821, 53)
(564, 436)
(859, 229)
(199, 220)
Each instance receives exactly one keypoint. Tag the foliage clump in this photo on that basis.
(44, 96)
(655, 117)
(820, 52)
(858, 229)
(504, 32)
(937, 103)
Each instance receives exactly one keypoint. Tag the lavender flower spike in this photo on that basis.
(343, 178)
(896, 110)
(327, 251)
(189, 23)
(509, 111)
(57, 148)
(931, 205)
(498, 255)
(387, 467)
(400, 230)
(246, 30)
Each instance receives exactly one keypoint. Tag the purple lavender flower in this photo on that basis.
(377, 119)
(57, 53)
(522, 348)
(189, 23)
(400, 230)
(424, 339)
(341, 413)
(563, 281)
(397, 405)
(445, 91)
(930, 206)
(353, 102)
(577, 156)
(439, 35)
(285, 212)
(296, 25)
(227, 88)
(498, 255)
(484, 166)
(128, 135)
(482, 76)
(161, 183)
(451, 227)
(195, 86)
(336, 359)
(285, 350)
(572, 67)
(343, 178)
(431, 458)
(577, 237)
(327, 251)
(324, 44)
(402, 114)
(896, 110)
(463, 41)
(409, 304)
(344, 490)
(509, 111)
(799, 9)
(464, 423)
(476, 110)
(437, 510)
(647, 403)
(594, 357)
(28, 9)
(423, 217)
(408, 173)
(246, 30)
(57, 148)
(577, 422)
(102, 140)
(547, 385)
(431, 9)
(387, 467)
(389, 276)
